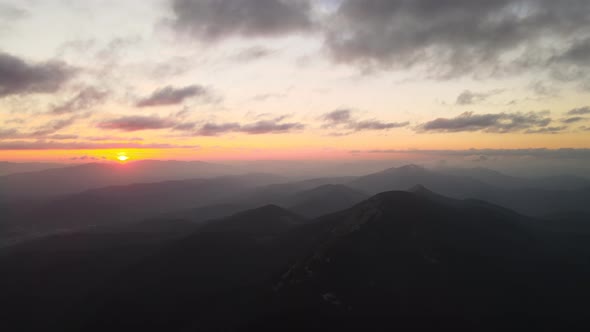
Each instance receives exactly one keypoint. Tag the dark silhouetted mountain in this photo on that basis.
(266, 220)
(398, 259)
(205, 213)
(283, 193)
(418, 259)
(325, 199)
(7, 168)
(72, 179)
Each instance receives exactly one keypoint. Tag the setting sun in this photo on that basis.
(122, 157)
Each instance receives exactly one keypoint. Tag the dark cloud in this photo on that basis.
(85, 157)
(253, 53)
(338, 116)
(274, 126)
(565, 153)
(580, 111)
(493, 123)
(212, 129)
(376, 125)
(578, 53)
(573, 119)
(20, 77)
(546, 130)
(469, 98)
(271, 127)
(342, 119)
(52, 145)
(216, 19)
(84, 100)
(137, 123)
(111, 138)
(458, 37)
(170, 95)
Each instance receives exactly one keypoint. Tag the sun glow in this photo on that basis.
(122, 157)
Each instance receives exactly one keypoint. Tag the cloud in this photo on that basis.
(9, 12)
(376, 125)
(110, 138)
(456, 38)
(573, 119)
(578, 53)
(52, 145)
(170, 95)
(212, 20)
(469, 98)
(546, 130)
(19, 77)
(212, 129)
(542, 89)
(55, 126)
(565, 153)
(257, 128)
(580, 111)
(253, 53)
(492, 123)
(86, 157)
(137, 123)
(85, 99)
(46, 131)
(342, 119)
(271, 127)
(338, 116)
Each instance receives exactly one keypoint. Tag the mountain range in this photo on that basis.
(398, 259)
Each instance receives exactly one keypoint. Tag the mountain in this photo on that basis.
(422, 260)
(498, 179)
(7, 168)
(397, 260)
(205, 213)
(266, 220)
(532, 201)
(405, 177)
(325, 199)
(118, 204)
(73, 179)
(284, 193)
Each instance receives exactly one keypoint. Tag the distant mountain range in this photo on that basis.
(73, 179)
(7, 168)
(199, 200)
(398, 259)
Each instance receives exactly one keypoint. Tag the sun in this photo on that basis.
(122, 157)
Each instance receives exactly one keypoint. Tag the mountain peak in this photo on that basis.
(421, 190)
(410, 168)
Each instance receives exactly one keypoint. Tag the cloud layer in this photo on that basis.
(458, 37)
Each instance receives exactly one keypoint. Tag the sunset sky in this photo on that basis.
(290, 79)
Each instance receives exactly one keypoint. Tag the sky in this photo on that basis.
(294, 79)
